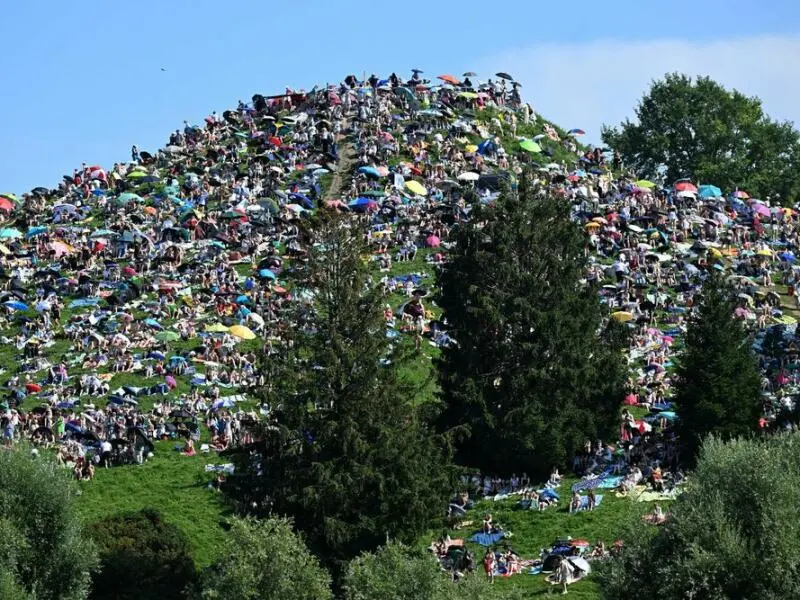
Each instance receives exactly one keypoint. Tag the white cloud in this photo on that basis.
(590, 84)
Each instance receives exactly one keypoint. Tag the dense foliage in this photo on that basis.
(533, 374)
(718, 387)
(43, 552)
(265, 560)
(141, 556)
(396, 573)
(734, 534)
(699, 129)
(348, 455)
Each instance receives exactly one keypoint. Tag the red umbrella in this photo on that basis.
(275, 141)
(450, 79)
(685, 186)
(6, 204)
(129, 271)
(33, 388)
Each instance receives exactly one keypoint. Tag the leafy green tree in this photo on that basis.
(533, 374)
(265, 560)
(719, 387)
(699, 129)
(394, 572)
(141, 556)
(349, 456)
(43, 552)
(733, 534)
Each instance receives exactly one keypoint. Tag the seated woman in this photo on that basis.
(592, 501)
(656, 517)
(188, 447)
(555, 478)
(575, 503)
(599, 550)
(488, 527)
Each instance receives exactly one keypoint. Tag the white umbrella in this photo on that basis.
(580, 563)
(468, 176)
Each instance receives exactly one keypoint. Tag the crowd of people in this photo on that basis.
(139, 301)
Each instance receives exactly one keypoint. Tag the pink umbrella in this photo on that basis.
(432, 241)
(761, 209)
(171, 383)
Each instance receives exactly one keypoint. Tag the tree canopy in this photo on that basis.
(395, 572)
(141, 556)
(43, 552)
(733, 534)
(265, 560)
(698, 129)
(532, 376)
(348, 455)
(718, 387)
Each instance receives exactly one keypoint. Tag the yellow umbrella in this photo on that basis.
(644, 183)
(416, 187)
(242, 332)
(623, 316)
(764, 252)
(216, 328)
(471, 148)
(715, 253)
(592, 225)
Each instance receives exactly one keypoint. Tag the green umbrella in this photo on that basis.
(374, 194)
(530, 146)
(167, 336)
(128, 197)
(136, 175)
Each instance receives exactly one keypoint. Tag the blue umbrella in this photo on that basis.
(709, 191)
(242, 299)
(16, 305)
(9, 233)
(788, 257)
(34, 231)
(266, 274)
(359, 202)
(302, 199)
(153, 323)
(371, 171)
(157, 355)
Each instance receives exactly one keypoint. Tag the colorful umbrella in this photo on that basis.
(530, 146)
(416, 187)
(242, 332)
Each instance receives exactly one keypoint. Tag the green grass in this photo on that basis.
(174, 484)
(533, 530)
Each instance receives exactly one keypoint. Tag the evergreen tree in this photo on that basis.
(533, 375)
(348, 454)
(719, 386)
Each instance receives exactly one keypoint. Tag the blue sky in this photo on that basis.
(83, 80)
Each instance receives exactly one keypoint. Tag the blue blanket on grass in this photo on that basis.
(487, 539)
(585, 501)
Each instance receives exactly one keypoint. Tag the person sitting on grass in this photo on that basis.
(575, 503)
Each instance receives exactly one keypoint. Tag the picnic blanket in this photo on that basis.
(585, 502)
(487, 539)
(603, 482)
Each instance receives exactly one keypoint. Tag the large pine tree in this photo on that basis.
(533, 374)
(349, 457)
(719, 386)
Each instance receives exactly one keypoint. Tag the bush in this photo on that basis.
(142, 557)
(43, 554)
